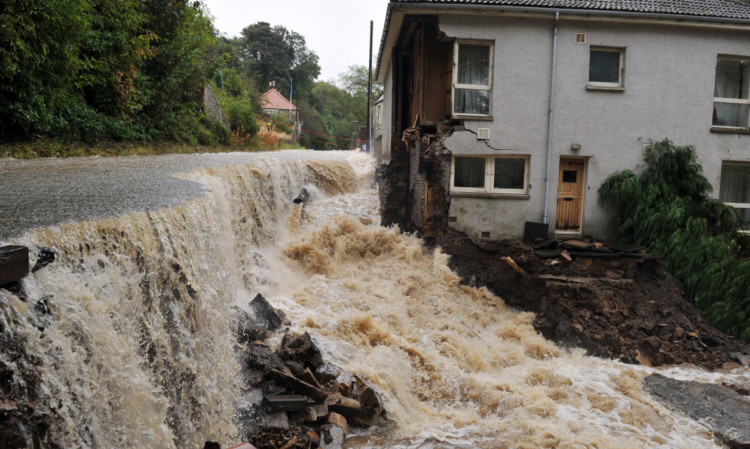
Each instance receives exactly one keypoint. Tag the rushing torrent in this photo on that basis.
(136, 348)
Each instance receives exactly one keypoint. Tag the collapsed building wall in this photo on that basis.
(414, 187)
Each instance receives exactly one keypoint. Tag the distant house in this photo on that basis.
(546, 98)
(274, 103)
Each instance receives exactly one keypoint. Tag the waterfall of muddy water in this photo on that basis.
(130, 324)
(137, 350)
(454, 365)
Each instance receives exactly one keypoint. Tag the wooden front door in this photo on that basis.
(570, 194)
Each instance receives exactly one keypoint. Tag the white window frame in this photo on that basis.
(736, 205)
(745, 101)
(489, 175)
(456, 85)
(620, 84)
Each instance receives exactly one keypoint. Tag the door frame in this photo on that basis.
(562, 159)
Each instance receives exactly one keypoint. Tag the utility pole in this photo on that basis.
(291, 95)
(369, 97)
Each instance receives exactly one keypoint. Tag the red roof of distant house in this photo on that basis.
(274, 100)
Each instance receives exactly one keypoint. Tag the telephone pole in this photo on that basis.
(369, 97)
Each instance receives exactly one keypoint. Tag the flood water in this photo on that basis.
(138, 349)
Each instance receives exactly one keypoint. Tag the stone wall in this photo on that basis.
(212, 107)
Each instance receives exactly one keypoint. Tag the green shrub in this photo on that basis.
(667, 207)
(240, 113)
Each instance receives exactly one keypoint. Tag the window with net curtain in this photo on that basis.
(473, 83)
(490, 174)
(735, 189)
(469, 172)
(731, 100)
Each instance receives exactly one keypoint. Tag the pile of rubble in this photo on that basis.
(615, 302)
(292, 398)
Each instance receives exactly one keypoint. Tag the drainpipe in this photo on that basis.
(549, 118)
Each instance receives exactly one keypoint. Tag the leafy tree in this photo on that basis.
(38, 62)
(114, 47)
(668, 208)
(91, 69)
(183, 62)
(276, 54)
(354, 82)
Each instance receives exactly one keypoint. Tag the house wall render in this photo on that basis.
(668, 75)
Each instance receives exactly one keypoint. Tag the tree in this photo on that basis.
(668, 208)
(184, 61)
(276, 54)
(355, 83)
(39, 60)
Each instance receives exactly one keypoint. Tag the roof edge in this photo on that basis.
(565, 13)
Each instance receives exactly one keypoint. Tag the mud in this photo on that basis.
(626, 309)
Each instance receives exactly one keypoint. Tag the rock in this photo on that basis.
(303, 196)
(326, 372)
(300, 348)
(247, 329)
(275, 421)
(309, 415)
(371, 406)
(321, 411)
(260, 356)
(744, 359)
(338, 420)
(14, 263)
(332, 437)
(722, 409)
(42, 306)
(296, 385)
(545, 326)
(46, 257)
(265, 315)
(296, 368)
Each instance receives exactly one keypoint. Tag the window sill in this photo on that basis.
(472, 117)
(605, 88)
(729, 130)
(508, 196)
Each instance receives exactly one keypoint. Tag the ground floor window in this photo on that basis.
(735, 189)
(490, 174)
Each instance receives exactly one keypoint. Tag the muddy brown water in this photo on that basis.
(137, 349)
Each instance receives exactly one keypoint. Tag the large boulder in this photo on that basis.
(723, 409)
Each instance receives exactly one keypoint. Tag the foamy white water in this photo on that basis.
(138, 349)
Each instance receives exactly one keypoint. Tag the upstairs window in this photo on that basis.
(731, 101)
(735, 189)
(606, 66)
(472, 74)
(490, 174)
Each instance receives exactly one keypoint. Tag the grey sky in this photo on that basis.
(338, 31)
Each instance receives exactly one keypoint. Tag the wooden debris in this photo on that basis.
(285, 403)
(14, 263)
(515, 266)
(299, 386)
(292, 441)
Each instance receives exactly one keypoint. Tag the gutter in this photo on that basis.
(599, 15)
(549, 119)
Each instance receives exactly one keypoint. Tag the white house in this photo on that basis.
(548, 98)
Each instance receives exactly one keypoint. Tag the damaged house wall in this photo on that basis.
(668, 74)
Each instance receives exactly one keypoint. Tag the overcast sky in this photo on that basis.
(338, 31)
